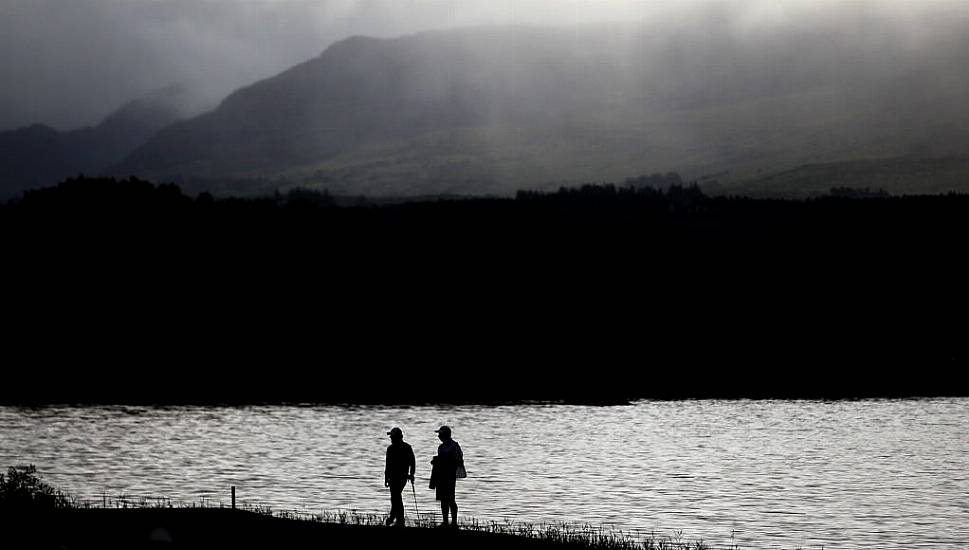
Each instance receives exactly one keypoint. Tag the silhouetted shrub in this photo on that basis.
(22, 489)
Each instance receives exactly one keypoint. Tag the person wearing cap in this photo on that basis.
(399, 468)
(449, 457)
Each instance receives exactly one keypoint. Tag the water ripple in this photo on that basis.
(762, 474)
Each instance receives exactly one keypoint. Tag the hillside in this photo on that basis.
(38, 155)
(494, 109)
(895, 176)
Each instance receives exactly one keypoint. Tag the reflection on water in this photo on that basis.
(764, 474)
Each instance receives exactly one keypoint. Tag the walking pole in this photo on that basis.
(416, 510)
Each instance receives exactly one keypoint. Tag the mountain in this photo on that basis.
(896, 176)
(494, 109)
(38, 155)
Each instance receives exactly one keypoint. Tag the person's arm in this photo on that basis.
(459, 465)
(412, 465)
(387, 469)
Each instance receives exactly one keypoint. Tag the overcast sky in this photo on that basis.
(68, 63)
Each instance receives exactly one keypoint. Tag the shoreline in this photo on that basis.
(109, 528)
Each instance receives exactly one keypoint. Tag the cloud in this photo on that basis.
(71, 62)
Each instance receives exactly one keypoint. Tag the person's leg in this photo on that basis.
(396, 505)
(390, 518)
(399, 510)
(454, 512)
(444, 510)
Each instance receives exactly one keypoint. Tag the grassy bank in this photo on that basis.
(35, 515)
(99, 528)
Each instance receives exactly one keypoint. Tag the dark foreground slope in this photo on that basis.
(128, 292)
(231, 529)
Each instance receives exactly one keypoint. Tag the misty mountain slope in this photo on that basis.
(38, 155)
(897, 176)
(499, 108)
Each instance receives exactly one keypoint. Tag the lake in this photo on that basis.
(762, 474)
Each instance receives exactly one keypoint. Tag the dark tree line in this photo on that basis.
(637, 224)
(499, 292)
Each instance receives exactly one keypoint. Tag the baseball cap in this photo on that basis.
(395, 431)
(443, 430)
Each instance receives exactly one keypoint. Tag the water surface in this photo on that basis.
(763, 474)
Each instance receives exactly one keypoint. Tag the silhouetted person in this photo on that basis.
(399, 469)
(444, 474)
